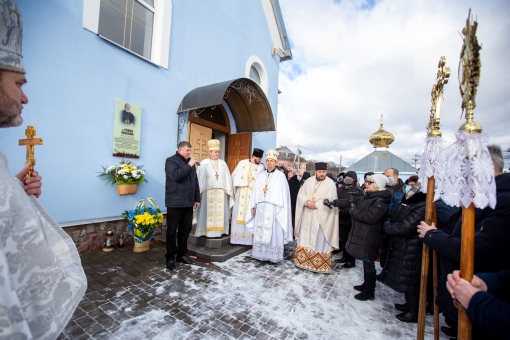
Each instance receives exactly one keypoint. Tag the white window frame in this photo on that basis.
(161, 28)
(261, 69)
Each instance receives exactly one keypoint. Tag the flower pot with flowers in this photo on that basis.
(144, 220)
(126, 175)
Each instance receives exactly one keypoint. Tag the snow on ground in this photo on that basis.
(277, 299)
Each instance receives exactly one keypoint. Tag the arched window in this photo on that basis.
(254, 74)
(256, 71)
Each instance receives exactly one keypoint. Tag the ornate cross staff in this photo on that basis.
(469, 77)
(29, 143)
(432, 161)
(471, 180)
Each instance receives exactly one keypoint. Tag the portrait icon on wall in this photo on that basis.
(126, 129)
(126, 116)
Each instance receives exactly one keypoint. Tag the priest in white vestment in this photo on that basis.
(269, 213)
(41, 277)
(243, 178)
(316, 224)
(215, 193)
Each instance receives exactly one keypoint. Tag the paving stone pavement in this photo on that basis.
(133, 296)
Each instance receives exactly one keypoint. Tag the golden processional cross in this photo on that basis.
(29, 143)
(443, 74)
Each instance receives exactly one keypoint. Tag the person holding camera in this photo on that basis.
(368, 215)
(347, 191)
(340, 179)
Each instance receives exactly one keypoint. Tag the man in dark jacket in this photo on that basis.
(182, 195)
(347, 190)
(492, 237)
(294, 190)
(398, 189)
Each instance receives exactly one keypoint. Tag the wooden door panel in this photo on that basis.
(198, 138)
(239, 148)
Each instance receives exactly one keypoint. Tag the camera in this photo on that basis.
(328, 203)
(350, 198)
(340, 180)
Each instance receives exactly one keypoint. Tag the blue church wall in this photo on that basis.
(74, 77)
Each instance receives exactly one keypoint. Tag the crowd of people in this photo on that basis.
(378, 219)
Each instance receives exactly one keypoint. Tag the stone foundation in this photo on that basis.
(91, 237)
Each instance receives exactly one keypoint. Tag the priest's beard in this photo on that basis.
(10, 111)
(320, 178)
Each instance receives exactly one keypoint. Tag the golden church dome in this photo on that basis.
(381, 138)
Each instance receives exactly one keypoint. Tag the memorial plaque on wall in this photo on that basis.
(126, 129)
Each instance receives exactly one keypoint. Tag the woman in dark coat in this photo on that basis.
(367, 218)
(402, 271)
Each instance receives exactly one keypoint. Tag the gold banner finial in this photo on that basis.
(470, 66)
(29, 143)
(442, 77)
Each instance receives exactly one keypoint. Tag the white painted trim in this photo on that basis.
(161, 32)
(161, 28)
(272, 25)
(259, 65)
(91, 15)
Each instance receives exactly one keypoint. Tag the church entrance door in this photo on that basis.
(239, 148)
(198, 137)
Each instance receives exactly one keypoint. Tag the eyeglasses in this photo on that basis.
(369, 182)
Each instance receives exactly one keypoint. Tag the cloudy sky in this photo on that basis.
(354, 58)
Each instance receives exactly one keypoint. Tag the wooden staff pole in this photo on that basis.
(429, 219)
(435, 282)
(467, 267)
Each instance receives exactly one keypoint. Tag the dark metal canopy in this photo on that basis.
(245, 99)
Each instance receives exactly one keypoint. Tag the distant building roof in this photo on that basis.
(378, 161)
(287, 154)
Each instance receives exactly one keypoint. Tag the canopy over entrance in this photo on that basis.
(245, 99)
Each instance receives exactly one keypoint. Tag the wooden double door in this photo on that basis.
(237, 146)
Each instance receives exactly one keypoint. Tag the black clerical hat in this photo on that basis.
(321, 166)
(258, 153)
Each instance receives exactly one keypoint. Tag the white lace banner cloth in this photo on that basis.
(433, 162)
(463, 175)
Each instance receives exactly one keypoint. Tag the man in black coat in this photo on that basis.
(347, 190)
(492, 237)
(182, 195)
(294, 190)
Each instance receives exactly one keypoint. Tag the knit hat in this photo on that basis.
(352, 175)
(381, 181)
